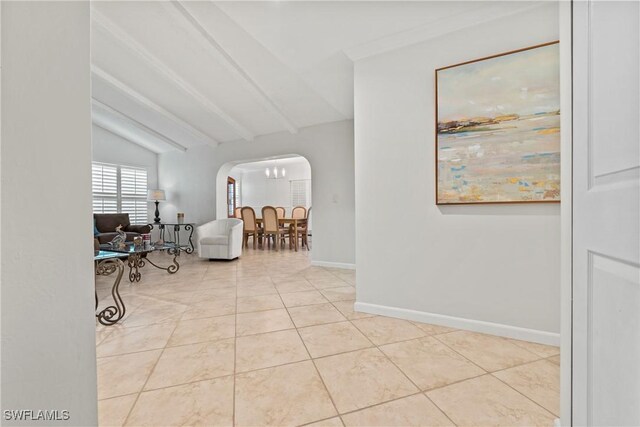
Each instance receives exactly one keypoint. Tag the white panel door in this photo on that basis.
(606, 219)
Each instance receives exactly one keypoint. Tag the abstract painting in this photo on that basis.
(498, 128)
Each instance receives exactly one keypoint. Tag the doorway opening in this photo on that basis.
(283, 182)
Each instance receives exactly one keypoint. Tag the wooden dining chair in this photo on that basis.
(237, 213)
(250, 227)
(299, 213)
(271, 226)
(284, 231)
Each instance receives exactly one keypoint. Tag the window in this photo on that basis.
(120, 189)
(133, 194)
(105, 188)
(300, 192)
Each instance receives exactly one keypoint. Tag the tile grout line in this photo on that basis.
(235, 353)
(315, 367)
(405, 375)
(491, 373)
(148, 376)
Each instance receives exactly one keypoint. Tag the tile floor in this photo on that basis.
(270, 340)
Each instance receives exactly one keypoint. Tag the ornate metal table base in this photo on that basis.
(136, 262)
(112, 313)
(166, 234)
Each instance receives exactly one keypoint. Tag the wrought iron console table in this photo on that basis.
(170, 233)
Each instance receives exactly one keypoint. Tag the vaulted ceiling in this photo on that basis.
(173, 75)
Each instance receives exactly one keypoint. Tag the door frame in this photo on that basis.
(565, 14)
(231, 181)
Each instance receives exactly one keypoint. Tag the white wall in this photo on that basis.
(48, 323)
(190, 179)
(111, 148)
(494, 263)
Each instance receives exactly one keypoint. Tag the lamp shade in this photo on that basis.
(154, 195)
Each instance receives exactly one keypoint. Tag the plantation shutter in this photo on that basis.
(104, 179)
(300, 192)
(133, 194)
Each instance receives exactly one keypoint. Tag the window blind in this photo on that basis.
(133, 194)
(300, 192)
(104, 180)
(120, 189)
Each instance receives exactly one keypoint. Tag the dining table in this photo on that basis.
(293, 222)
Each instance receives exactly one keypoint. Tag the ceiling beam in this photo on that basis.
(198, 29)
(110, 28)
(476, 15)
(102, 115)
(146, 102)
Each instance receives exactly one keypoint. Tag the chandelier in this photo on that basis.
(275, 173)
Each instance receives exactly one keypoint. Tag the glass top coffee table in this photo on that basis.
(137, 257)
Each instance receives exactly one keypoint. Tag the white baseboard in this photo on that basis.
(330, 264)
(499, 329)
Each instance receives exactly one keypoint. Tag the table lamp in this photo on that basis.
(156, 196)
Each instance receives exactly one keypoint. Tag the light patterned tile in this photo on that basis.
(124, 374)
(113, 412)
(296, 299)
(539, 381)
(339, 294)
(259, 303)
(193, 362)
(252, 291)
(539, 349)
(346, 308)
(139, 338)
(212, 307)
(201, 403)
(330, 422)
(414, 410)
(362, 378)
(429, 363)
(487, 401)
(263, 321)
(269, 349)
(315, 315)
(281, 396)
(333, 338)
(201, 330)
(487, 351)
(431, 329)
(386, 330)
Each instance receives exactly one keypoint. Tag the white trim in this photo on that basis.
(498, 329)
(141, 99)
(331, 264)
(566, 211)
(113, 30)
(199, 30)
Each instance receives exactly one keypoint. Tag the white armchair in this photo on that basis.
(220, 239)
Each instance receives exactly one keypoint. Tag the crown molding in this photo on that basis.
(117, 122)
(220, 54)
(146, 102)
(114, 31)
(476, 16)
